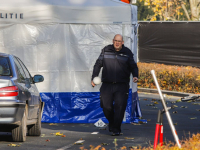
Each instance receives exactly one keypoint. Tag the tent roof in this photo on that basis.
(66, 11)
(69, 3)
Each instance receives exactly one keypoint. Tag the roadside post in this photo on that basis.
(166, 112)
(159, 129)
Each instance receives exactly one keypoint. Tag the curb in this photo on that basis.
(173, 93)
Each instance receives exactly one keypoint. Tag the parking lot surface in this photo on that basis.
(185, 116)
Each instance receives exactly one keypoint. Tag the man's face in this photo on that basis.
(118, 42)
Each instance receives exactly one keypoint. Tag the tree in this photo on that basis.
(144, 12)
(195, 9)
(185, 5)
(167, 9)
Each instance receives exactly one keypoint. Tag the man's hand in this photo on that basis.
(92, 83)
(135, 79)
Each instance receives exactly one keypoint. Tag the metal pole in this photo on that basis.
(166, 110)
(157, 130)
(161, 129)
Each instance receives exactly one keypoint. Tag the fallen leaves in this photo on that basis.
(150, 105)
(133, 147)
(195, 103)
(183, 107)
(139, 122)
(94, 148)
(14, 145)
(135, 123)
(53, 124)
(156, 103)
(174, 106)
(179, 100)
(42, 135)
(123, 148)
(129, 138)
(59, 134)
(91, 147)
(104, 144)
(193, 118)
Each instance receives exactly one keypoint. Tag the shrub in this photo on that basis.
(191, 143)
(173, 78)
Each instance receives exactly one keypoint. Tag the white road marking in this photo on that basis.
(94, 132)
(79, 141)
(66, 147)
(70, 145)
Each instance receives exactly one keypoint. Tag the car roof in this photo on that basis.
(5, 54)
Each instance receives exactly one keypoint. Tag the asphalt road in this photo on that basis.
(185, 116)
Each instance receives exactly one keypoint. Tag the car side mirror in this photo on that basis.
(38, 78)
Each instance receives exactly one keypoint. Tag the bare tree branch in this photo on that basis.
(194, 9)
(185, 10)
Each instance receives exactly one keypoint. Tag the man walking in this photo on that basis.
(118, 63)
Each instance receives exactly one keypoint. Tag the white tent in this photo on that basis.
(61, 39)
(67, 11)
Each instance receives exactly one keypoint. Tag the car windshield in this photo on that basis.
(4, 67)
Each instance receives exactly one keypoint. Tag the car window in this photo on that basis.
(20, 71)
(5, 66)
(28, 76)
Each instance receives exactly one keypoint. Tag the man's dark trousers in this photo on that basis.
(117, 93)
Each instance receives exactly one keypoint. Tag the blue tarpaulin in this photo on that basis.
(83, 107)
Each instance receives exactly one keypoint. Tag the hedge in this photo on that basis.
(173, 78)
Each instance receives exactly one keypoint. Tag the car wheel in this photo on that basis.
(19, 133)
(35, 130)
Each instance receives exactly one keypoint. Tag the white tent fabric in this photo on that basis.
(67, 11)
(63, 53)
(61, 39)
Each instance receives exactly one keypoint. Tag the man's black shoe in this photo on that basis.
(115, 133)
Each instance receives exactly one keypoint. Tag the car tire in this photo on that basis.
(19, 133)
(35, 130)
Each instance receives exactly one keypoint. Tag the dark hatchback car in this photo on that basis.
(20, 103)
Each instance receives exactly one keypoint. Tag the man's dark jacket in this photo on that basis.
(117, 65)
